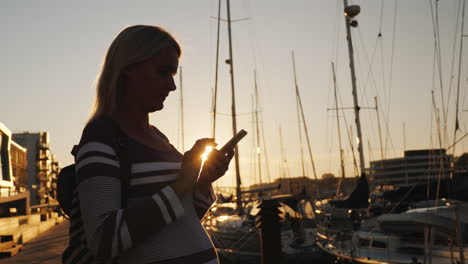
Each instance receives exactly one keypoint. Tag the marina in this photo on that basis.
(297, 191)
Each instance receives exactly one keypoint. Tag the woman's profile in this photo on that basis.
(138, 199)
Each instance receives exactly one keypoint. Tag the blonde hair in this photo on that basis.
(134, 44)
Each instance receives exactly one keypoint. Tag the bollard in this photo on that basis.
(268, 221)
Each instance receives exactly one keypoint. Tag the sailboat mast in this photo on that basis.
(234, 116)
(267, 164)
(380, 130)
(339, 133)
(404, 149)
(298, 116)
(298, 97)
(181, 110)
(260, 132)
(284, 163)
(216, 72)
(257, 131)
(459, 76)
(404, 136)
(353, 81)
(254, 144)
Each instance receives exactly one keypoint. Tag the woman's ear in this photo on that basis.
(130, 69)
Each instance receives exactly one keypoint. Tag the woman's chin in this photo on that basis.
(157, 107)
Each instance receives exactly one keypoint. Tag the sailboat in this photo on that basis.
(231, 224)
(338, 219)
(236, 236)
(429, 231)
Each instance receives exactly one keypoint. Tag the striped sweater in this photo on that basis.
(155, 226)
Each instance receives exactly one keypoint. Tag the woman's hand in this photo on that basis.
(215, 166)
(190, 168)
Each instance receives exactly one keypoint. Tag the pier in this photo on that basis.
(46, 248)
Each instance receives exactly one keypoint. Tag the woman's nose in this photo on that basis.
(172, 85)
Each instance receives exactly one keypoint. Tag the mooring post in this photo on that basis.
(268, 221)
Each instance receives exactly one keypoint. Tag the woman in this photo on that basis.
(140, 201)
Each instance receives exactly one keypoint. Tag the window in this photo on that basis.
(364, 242)
(4, 162)
(379, 244)
(1, 157)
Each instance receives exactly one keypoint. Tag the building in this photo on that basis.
(14, 197)
(43, 167)
(416, 166)
(6, 179)
(53, 176)
(297, 185)
(19, 166)
(461, 163)
(327, 185)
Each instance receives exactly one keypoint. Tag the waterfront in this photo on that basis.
(46, 248)
(409, 208)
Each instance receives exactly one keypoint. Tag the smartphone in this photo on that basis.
(233, 141)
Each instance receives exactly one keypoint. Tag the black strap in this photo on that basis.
(74, 150)
(122, 153)
(125, 170)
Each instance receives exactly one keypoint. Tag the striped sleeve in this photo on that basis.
(109, 228)
(203, 202)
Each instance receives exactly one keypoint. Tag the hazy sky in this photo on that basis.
(51, 53)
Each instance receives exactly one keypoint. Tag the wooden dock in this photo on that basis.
(46, 248)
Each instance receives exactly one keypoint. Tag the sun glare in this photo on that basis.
(205, 154)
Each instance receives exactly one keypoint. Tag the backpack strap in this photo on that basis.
(121, 144)
(74, 150)
(125, 170)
